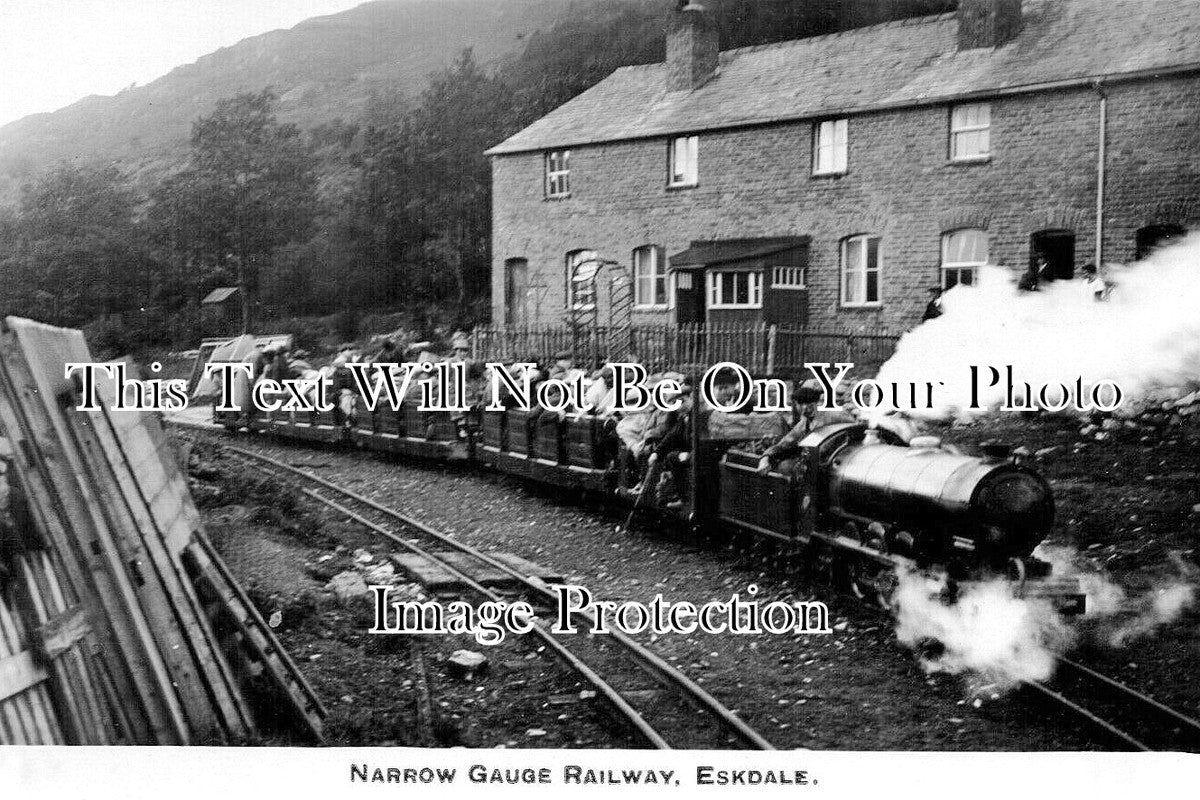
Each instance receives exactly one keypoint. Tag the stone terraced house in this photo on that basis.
(832, 181)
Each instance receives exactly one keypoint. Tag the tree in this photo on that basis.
(426, 187)
(75, 252)
(249, 188)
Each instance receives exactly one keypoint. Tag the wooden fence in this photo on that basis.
(760, 348)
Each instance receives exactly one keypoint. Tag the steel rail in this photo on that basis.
(1079, 710)
(648, 660)
(667, 672)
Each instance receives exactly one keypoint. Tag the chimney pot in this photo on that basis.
(987, 23)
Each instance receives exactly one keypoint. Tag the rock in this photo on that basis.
(362, 556)
(347, 586)
(380, 574)
(467, 662)
(535, 732)
(1196, 509)
(276, 619)
(1110, 425)
(1021, 451)
(1088, 430)
(1049, 452)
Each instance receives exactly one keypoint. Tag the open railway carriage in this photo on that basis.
(437, 435)
(573, 451)
(863, 503)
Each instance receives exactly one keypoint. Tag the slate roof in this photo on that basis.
(903, 63)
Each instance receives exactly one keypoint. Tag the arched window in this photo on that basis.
(581, 288)
(649, 277)
(862, 267)
(963, 253)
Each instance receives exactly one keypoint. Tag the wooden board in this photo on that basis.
(436, 578)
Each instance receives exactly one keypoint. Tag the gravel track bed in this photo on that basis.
(855, 689)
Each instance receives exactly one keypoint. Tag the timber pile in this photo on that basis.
(118, 624)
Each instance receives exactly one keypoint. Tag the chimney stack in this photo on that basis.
(692, 45)
(987, 23)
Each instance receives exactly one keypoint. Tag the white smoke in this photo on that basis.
(1146, 334)
(988, 634)
(995, 638)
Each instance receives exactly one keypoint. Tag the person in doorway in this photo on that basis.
(933, 309)
(1032, 277)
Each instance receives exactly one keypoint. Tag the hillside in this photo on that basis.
(323, 68)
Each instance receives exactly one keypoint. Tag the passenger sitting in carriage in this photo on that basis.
(642, 429)
(807, 399)
(806, 402)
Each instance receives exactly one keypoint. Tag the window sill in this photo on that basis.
(553, 197)
(675, 187)
(788, 288)
(967, 162)
(656, 309)
(826, 176)
(861, 306)
(726, 307)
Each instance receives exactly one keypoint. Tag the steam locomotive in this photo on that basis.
(856, 504)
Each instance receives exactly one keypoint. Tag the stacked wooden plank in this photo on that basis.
(105, 638)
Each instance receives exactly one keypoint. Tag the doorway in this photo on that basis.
(1152, 237)
(689, 296)
(1057, 247)
(516, 291)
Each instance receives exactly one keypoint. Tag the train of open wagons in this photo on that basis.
(854, 507)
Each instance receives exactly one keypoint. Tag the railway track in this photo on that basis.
(1132, 719)
(1122, 715)
(672, 712)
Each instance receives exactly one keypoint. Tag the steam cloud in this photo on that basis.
(1146, 334)
(997, 640)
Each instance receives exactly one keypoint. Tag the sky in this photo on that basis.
(54, 52)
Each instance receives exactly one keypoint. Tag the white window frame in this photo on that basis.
(831, 147)
(655, 278)
(574, 259)
(558, 173)
(789, 277)
(860, 271)
(715, 289)
(686, 148)
(956, 263)
(971, 122)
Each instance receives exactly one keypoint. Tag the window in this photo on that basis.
(788, 278)
(860, 271)
(649, 277)
(581, 273)
(829, 147)
(735, 289)
(970, 136)
(963, 253)
(558, 173)
(684, 161)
